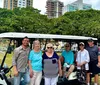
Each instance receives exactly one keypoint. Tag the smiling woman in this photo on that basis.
(51, 60)
(35, 64)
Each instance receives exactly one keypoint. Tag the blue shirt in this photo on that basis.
(36, 60)
(93, 52)
(68, 57)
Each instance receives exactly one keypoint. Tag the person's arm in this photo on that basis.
(62, 58)
(72, 58)
(77, 60)
(59, 65)
(29, 64)
(87, 58)
(14, 62)
(30, 68)
(98, 61)
(15, 70)
(98, 58)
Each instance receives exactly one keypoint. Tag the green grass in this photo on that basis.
(8, 61)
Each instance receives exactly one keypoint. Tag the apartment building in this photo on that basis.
(11, 4)
(54, 8)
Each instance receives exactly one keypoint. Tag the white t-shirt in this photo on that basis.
(81, 57)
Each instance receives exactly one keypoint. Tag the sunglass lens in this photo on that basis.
(49, 47)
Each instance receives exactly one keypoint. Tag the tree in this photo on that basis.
(80, 22)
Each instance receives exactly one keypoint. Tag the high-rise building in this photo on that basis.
(8, 4)
(30, 3)
(77, 5)
(11, 4)
(54, 8)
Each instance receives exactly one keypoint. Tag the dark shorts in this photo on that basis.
(93, 67)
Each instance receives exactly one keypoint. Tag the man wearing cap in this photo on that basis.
(68, 59)
(94, 63)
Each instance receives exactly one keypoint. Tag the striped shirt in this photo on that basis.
(20, 58)
(50, 65)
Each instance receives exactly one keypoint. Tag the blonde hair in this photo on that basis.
(49, 45)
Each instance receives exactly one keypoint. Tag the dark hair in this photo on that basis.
(67, 44)
(25, 37)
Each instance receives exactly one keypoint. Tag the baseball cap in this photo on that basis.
(81, 43)
(90, 40)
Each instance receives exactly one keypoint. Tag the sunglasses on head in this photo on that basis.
(49, 47)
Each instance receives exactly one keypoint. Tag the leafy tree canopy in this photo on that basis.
(80, 22)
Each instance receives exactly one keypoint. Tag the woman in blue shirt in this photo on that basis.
(35, 64)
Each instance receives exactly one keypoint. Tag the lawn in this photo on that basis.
(8, 61)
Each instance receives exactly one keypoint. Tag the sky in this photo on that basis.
(40, 4)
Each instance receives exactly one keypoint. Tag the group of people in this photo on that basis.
(31, 65)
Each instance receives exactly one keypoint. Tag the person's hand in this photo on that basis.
(98, 64)
(79, 65)
(60, 72)
(31, 73)
(15, 73)
(67, 75)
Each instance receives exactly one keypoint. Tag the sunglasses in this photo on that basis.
(67, 46)
(49, 47)
(81, 45)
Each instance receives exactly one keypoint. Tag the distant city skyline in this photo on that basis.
(40, 5)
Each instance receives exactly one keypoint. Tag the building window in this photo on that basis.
(86, 7)
(72, 7)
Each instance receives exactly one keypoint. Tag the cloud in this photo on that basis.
(41, 4)
(95, 3)
(1, 3)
